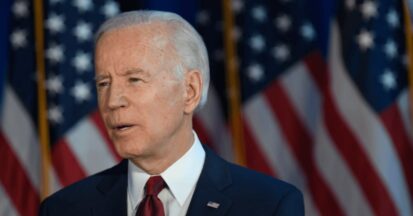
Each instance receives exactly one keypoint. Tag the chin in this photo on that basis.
(128, 151)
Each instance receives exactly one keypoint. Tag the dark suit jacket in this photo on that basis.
(239, 192)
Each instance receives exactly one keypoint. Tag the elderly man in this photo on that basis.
(151, 75)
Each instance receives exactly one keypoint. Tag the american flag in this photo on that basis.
(334, 122)
(78, 144)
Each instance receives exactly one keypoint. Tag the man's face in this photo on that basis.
(140, 98)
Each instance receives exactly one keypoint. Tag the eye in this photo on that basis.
(134, 79)
(102, 84)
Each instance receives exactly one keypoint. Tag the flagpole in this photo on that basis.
(409, 45)
(233, 88)
(42, 100)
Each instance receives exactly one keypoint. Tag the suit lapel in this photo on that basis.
(113, 200)
(208, 198)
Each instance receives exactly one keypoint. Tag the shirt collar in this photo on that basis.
(180, 177)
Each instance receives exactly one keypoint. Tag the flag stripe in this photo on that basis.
(66, 165)
(100, 126)
(85, 142)
(343, 137)
(365, 128)
(258, 119)
(16, 182)
(336, 173)
(339, 177)
(202, 133)
(317, 68)
(255, 158)
(6, 206)
(392, 120)
(301, 144)
(363, 170)
(66, 57)
(55, 184)
(214, 123)
(303, 94)
(403, 106)
(24, 143)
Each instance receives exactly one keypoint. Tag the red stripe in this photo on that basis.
(301, 144)
(15, 181)
(203, 134)
(356, 158)
(254, 156)
(98, 122)
(349, 147)
(318, 70)
(67, 167)
(393, 122)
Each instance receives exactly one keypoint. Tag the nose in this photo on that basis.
(117, 97)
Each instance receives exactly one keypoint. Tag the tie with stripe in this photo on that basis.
(151, 205)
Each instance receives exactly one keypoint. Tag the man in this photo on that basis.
(151, 75)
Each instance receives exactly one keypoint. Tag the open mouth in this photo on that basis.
(122, 127)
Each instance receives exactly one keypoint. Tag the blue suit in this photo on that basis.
(238, 191)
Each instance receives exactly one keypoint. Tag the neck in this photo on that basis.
(156, 164)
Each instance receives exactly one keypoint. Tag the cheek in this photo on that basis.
(171, 94)
(102, 108)
(100, 97)
(169, 106)
(102, 100)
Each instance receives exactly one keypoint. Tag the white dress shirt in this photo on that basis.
(181, 178)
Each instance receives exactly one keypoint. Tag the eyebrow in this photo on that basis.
(133, 71)
(126, 73)
(100, 77)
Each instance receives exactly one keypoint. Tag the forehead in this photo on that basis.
(138, 44)
(156, 33)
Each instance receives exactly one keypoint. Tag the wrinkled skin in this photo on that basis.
(147, 109)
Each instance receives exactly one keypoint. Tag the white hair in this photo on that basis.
(188, 44)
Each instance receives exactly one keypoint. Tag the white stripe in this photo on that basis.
(212, 119)
(89, 147)
(21, 135)
(266, 132)
(403, 105)
(309, 206)
(305, 98)
(368, 129)
(55, 185)
(6, 206)
(340, 179)
(303, 93)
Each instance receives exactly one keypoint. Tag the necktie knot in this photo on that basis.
(151, 205)
(154, 185)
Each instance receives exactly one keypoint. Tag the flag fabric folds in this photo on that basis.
(324, 98)
(335, 122)
(79, 147)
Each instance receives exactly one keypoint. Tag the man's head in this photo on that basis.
(188, 45)
(151, 74)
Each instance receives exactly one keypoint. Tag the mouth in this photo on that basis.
(122, 127)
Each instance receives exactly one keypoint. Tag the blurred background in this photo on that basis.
(314, 92)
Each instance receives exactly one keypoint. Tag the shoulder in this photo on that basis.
(254, 192)
(264, 194)
(244, 179)
(255, 183)
(83, 191)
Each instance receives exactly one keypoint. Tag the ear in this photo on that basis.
(193, 90)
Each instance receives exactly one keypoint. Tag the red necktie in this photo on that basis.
(151, 205)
